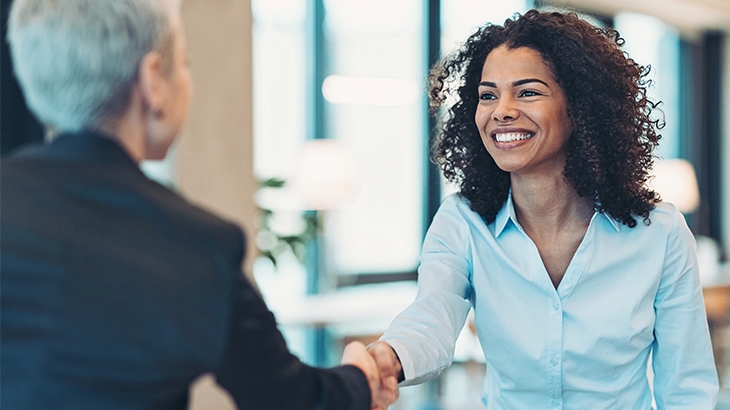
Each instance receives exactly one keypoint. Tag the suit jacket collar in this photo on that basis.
(88, 147)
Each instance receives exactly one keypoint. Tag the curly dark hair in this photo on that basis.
(610, 149)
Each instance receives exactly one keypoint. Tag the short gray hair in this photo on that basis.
(77, 60)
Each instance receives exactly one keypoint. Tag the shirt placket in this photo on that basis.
(554, 353)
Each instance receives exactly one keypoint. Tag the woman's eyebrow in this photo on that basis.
(515, 83)
(530, 80)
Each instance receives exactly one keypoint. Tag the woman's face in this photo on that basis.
(522, 115)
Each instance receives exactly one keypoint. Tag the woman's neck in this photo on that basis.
(128, 130)
(548, 204)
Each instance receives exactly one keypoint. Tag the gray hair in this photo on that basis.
(77, 60)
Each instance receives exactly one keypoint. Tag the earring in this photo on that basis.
(159, 113)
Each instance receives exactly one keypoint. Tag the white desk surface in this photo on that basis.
(348, 305)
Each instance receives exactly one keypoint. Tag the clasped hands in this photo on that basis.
(381, 367)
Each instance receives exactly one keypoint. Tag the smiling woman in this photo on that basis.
(606, 99)
(547, 132)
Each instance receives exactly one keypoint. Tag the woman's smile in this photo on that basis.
(510, 136)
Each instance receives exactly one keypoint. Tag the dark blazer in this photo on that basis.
(115, 293)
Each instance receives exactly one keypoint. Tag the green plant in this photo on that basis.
(273, 244)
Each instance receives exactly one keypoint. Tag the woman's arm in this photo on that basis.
(684, 369)
(423, 336)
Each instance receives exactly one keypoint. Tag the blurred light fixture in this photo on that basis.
(339, 89)
(326, 175)
(675, 181)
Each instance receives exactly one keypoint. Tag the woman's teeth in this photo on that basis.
(512, 136)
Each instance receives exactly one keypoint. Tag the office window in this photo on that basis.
(280, 84)
(374, 103)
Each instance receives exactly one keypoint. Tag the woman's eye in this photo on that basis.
(529, 93)
(487, 96)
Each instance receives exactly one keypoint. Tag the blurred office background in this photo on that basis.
(309, 127)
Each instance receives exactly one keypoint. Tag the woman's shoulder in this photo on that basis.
(456, 209)
(456, 202)
(664, 220)
(665, 213)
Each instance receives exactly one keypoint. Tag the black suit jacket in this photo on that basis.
(116, 293)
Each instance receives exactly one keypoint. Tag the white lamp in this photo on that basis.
(326, 175)
(675, 181)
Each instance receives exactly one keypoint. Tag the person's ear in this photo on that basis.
(152, 83)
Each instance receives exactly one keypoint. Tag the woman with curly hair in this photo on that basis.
(576, 271)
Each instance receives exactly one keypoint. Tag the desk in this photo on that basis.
(717, 302)
(360, 312)
(363, 304)
(716, 292)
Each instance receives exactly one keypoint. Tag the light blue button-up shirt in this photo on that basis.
(627, 292)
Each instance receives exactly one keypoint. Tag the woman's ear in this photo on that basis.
(152, 81)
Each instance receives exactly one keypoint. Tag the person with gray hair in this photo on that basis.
(116, 293)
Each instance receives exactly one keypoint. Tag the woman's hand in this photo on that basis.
(383, 388)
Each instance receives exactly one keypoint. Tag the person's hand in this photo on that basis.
(383, 390)
(387, 360)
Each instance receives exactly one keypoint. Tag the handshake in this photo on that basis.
(381, 367)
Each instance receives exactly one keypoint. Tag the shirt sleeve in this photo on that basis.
(684, 369)
(424, 335)
(260, 372)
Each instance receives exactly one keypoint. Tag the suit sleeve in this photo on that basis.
(260, 372)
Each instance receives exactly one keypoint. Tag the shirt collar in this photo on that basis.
(616, 225)
(504, 215)
(507, 214)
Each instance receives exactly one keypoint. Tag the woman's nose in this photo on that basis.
(505, 110)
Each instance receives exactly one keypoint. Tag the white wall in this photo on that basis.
(214, 158)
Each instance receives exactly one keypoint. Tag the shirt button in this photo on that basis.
(554, 361)
(555, 305)
(555, 403)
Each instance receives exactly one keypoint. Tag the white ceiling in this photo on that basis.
(691, 17)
